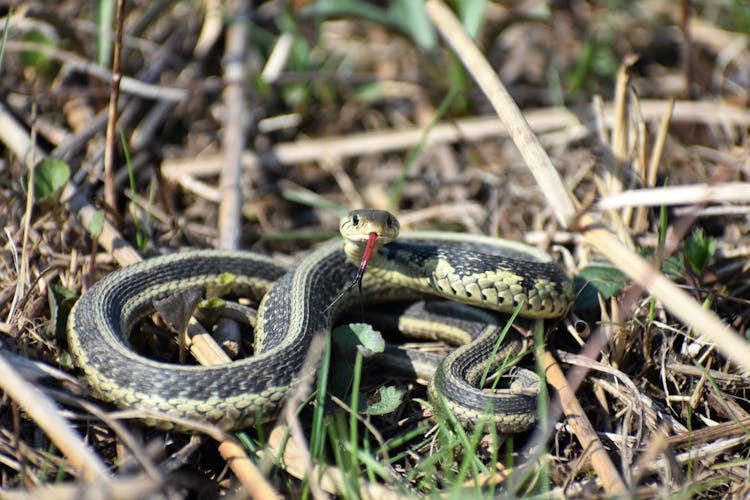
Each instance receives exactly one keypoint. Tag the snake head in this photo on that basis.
(357, 225)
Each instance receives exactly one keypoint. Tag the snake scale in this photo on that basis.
(488, 272)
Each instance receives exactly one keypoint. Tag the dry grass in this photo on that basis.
(649, 383)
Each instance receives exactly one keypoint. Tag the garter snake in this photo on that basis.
(488, 272)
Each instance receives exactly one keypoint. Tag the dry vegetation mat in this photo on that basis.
(612, 135)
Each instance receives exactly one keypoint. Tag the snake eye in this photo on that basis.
(355, 219)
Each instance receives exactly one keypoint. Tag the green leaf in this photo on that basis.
(472, 15)
(407, 15)
(296, 95)
(414, 20)
(390, 400)
(213, 303)
(226, 278)
(368, 337)
(370, 93)
(96, 225)
(42, 63)
(699, 249)
(50, 175)
(598, 279)
(346, 8)
(358, 335)
(347, 340)
(674, 267)
(341, 382)
(61, 301)
(66, 360)
(222, 286)
(4, 38)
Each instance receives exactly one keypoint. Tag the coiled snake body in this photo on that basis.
(477, 270)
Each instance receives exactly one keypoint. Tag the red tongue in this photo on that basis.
(366, 255)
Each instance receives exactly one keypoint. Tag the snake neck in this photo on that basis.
(354, 251)
(395, 265)
(489, 280)
(378, 261)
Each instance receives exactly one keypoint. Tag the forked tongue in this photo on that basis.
(357, 281)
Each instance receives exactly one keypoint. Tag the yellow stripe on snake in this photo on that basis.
(487, 272)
